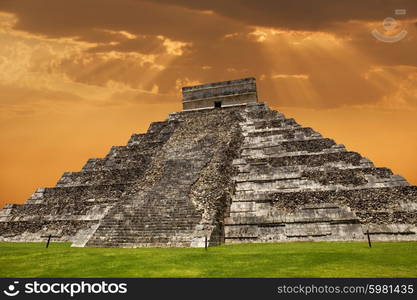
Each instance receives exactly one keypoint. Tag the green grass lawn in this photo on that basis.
(320, 259)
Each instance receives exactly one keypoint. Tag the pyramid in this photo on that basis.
(226, 169)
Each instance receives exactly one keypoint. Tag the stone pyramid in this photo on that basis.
(227, 168)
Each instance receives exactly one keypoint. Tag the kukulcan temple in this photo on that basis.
(227, 169)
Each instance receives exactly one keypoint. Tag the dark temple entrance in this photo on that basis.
(217, 104)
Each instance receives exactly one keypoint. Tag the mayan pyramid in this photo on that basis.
(227, 168)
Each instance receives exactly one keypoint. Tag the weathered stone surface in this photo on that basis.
(219, 94)
(185, 191)
(242, 173)
(294, 185)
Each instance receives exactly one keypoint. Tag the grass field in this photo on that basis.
(320, 259)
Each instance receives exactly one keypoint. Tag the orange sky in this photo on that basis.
(77, 77)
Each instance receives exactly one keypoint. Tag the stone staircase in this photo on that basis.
(161, 215)
(147, 225)
(161, 212)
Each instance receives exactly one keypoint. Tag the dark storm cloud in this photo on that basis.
(336, 77)
(307, 15)
(81, 18)
(174, 18)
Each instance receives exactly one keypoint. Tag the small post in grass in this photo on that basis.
(49, 239)
(205, 243)
(50, 236)
(369, 238)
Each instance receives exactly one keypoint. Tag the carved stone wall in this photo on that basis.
(225, 94)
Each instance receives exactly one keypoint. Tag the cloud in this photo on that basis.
(41, 75)
(317, 54)
(87, 19)
(318, 15)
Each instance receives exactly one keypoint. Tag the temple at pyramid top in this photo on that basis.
(220, 94)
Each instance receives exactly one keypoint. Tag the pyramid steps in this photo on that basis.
(72, 210)
(294, 185)
(240, 173)
(163, 214)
